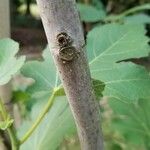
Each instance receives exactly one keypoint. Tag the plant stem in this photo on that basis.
(13, 138)
(10, 130)
(128, 12)
(40, 118)
(135, 9)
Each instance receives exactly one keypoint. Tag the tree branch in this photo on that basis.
(65, 37)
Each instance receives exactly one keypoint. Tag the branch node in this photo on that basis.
(67, 52)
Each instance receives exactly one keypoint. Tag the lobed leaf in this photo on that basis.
(110, 44)
(9, 64)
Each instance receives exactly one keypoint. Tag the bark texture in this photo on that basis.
(65, 37)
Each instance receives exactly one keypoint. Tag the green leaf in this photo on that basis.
(89, 13)
(98, 87)
(110, 44)
(132, 120)
(137, 19)
(57, 125)
(44, 73)
(9, 64)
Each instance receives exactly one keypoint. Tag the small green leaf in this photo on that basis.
(9, 64)
(98, 88)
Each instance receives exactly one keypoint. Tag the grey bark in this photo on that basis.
(65, 37)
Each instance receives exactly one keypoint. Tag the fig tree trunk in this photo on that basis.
(66, 41)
